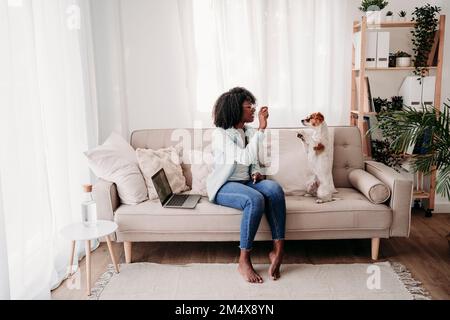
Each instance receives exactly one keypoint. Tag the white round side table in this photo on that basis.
(81, 232)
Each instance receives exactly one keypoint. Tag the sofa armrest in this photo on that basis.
(401, 196)
(106, 198)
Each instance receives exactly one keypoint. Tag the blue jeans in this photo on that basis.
(255, 199)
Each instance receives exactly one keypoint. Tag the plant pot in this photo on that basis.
(373, 17)
(402, 19)
(389, 19)
(403, 62)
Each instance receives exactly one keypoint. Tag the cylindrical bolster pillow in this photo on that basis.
(375, 190)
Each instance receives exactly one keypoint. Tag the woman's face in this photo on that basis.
(248, 114)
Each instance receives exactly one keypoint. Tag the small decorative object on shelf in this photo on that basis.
(396, 103)
(389, 16)
(373, 8)
(392, 60)
(380, 104)
(88, 207)
(423, 36)
(402, 15)
(402, 59)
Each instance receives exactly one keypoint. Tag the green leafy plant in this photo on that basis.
(402, 54)
(396, 103)
(407, 128)
(423, 36)
(369, 5)
(382, 152)
(380, 104)
(389, 14)
(402, 14)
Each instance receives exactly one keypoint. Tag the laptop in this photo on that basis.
(168, 198)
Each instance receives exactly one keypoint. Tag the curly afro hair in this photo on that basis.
(228, 108)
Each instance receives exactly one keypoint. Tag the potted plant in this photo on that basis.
(402, 59)
(373, 8)
(380, 104)
(402, 15)
(389, 16)
(407, 127)
(396, 103)
(382, 152)
(426, 23)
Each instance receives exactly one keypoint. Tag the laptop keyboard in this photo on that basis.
(177, 200)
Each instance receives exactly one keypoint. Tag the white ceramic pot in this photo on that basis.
(389, 18)
(403, 62)
(373, 17)
(402, 19)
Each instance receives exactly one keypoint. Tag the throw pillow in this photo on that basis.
(202, 164)
(151, 161)
(115, 160)
(374, 190)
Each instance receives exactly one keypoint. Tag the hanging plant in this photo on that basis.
(423, 36)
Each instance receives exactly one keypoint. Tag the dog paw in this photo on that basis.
(319, 201)
(307, 195)
(300, 136)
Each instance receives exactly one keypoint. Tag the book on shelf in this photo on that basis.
(369, 96)
(368, 101)
(433, 54)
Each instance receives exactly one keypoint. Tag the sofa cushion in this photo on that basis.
(151, 161)
(347, 147)
(116, 161)
(352, 212)
(375, 190)
(347, 154)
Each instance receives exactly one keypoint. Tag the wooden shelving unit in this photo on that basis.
(358, 101)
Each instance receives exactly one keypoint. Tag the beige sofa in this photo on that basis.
(353, 217)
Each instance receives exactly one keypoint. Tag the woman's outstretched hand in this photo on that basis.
(263, 115)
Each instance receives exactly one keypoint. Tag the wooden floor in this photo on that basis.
(425, 253)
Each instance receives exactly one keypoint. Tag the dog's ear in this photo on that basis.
(320, 117)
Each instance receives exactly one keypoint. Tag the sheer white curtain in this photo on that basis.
(294, 55)
(47, 119)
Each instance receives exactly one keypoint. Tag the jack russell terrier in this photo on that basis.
(318, 150)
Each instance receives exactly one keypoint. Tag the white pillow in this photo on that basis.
(151, 161)
(288, 160)
(116, 161)
(202, 164)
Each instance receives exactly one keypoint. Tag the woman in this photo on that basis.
(237, 181)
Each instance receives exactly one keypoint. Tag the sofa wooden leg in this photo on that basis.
(375, 248)
(127, 248)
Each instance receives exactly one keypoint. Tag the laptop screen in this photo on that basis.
(162, 186)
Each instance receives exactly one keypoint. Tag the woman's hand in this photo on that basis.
(257, 177)
(263, 115)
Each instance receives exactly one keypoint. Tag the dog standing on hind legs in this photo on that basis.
(318, 149)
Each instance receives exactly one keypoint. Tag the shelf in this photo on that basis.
(394, 69)
(387, 25)
(364, 113)
(421, 195)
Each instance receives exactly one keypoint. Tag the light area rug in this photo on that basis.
(361, 281)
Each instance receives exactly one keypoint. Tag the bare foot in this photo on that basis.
(245, 268)
(275, 263)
